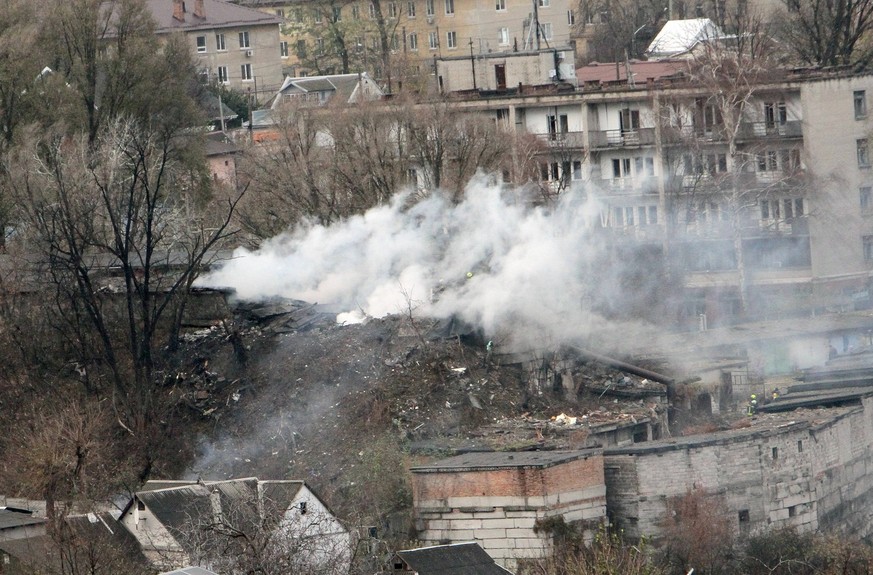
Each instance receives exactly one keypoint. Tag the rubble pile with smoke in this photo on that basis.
(492, 261)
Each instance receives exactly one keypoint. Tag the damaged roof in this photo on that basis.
(456, 559)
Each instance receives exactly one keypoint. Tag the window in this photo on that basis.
(317, 16)
(503, 36)
(392, 9)
(283, 49)
(644, 166)
(629, 120)
(280, 12)
(429, 8)
(410, 9)
(219, 43)
(799, 446)
(319, 44)
(571, 18)
(433, 40)
(337, 13)
(743, 515)
(500, 5)
(451, 40)
(863, 149)
(301, 48)
(246, 72)
(621, 167)
(298, 15)
(775, 452)
(866, 193)
(868, 248)
(244, 40)
(201, 43)
(372, 11)
(412, 41)
(356, 12)
(577, 169)
(547, 30)
(544, 3)
(860, 97)
(450, 7)
(775, 114)
(557, 125)
(222, 74)
(767, 161)
(395, 44)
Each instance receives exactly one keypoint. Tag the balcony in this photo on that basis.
(565, 140)
(769, 130)
(604, 139)
(645, 233)
(629, 185)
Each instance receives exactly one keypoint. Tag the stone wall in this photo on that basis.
(499, 507)
(811, 473)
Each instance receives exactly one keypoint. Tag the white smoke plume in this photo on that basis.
(491, 260)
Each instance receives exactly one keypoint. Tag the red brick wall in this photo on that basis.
(518, 482)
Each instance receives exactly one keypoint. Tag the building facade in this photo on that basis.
(232, 45)
(330, 37)
(782, 225)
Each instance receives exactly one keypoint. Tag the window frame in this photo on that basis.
(221, 75)
(245, 42)
(410, 9)
(859, 100)
(451, 40)
(412, 41)
(200, 42)
(220, 42)
(246, 73)
(862, 149)
(283, 48)
(450, 7)
(433, 40)
(503, 36)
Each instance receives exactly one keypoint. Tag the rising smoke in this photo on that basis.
(491, 260)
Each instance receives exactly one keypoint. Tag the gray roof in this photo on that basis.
(348, 87)
(178, 507)
(218, 14)
(456, 559)
(12, 518)
(190, 571)
(489, 460)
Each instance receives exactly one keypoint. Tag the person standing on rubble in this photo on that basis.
(753, 405)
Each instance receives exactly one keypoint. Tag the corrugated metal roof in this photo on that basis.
(479, 461)
(456, 559)
(679, 36)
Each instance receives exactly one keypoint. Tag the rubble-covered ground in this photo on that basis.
(284, 391)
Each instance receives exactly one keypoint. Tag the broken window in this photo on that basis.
(629, 120)
(775, 114)
(860, 98)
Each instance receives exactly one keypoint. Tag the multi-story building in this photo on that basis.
(234, 45)
(781, 225)
(342, 36)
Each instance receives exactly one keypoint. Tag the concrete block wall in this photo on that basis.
(499, 508)
(805, 475)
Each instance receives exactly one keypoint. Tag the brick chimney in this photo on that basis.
(198, 9)
(179, 10)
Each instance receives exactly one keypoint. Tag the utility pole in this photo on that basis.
(473, 63)
(536, 23)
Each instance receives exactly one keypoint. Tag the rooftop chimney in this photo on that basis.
(198, 9)
(179, 10)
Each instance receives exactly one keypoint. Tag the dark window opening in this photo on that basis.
(744, 515)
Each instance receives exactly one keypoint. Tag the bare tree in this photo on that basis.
(828, 33)
(719, 148)
(126, 202)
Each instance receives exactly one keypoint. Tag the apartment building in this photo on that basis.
(782, 226)
(234, 45)
(327, 37)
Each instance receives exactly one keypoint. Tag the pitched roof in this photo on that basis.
(679, 36)
(11, 517)
(349, 87)
(177, 507)
(217, 14)
(455, 559)
(190, 571)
